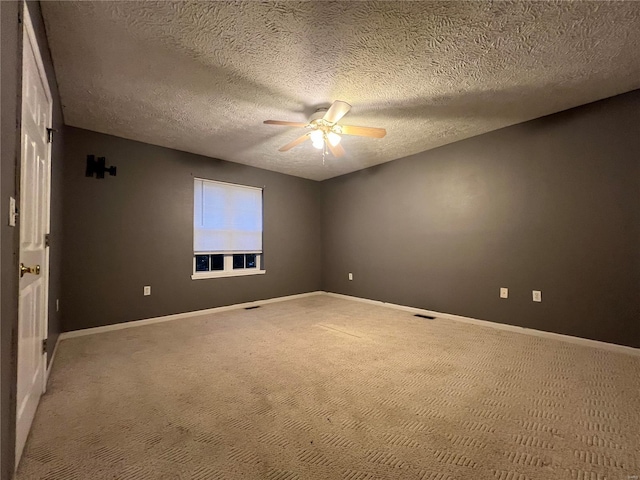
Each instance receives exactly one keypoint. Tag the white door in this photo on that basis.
(34, 226)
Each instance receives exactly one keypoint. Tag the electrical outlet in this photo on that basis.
(57, 304)
(350, 276)
(504, 293)
(147, 290)
(537, 296)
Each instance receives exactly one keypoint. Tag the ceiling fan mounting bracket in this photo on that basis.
(318, 114)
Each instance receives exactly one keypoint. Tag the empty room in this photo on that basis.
(293, 240)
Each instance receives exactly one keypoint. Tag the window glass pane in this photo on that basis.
(238, 260)
(217, 262)
(202, 263)
(251, 260)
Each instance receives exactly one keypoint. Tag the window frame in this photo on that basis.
(228, 270)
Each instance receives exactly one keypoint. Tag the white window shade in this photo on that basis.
(227, 218)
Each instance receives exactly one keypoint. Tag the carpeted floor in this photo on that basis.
(326, 388)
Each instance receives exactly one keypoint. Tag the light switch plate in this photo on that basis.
(12, 212)
(147, 290)
(351, 276)
(504, 293)
(537, 296)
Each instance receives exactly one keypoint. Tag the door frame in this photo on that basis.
(29, 40)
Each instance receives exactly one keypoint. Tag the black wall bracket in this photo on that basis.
(97, 167)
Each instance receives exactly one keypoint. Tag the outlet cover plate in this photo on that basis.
(504, 292)
(537, 295)
(147, 290)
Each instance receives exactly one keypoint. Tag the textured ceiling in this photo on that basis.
(202, 76)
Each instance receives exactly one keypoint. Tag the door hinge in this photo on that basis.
(50, 134)
(47, 240)
(44, 345)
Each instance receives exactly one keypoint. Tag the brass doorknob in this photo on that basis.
(35, 270)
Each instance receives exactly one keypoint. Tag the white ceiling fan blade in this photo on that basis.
(287, 124)
(336, 111)
(363, 131)
(336, 150)
(297, 141)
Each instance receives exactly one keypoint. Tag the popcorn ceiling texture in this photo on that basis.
(202, 77)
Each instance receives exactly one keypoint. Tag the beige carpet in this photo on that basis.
(325, 388)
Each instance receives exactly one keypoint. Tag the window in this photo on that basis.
(227, 230)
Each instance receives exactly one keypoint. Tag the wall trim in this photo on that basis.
(177, 316)
(585, 342)
(53, 357)
(613, 347)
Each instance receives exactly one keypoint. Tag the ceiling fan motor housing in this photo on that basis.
(319, 113)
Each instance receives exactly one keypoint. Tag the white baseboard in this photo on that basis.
(53, 357)
(500, 326)
(177, 316)
(458, 318)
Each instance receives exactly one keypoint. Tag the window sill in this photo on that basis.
(222, 274)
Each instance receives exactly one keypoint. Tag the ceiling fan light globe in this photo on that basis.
(316, 136)
(319, 145)
(333, 138)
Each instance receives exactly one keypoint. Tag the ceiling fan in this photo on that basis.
(325, 131)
